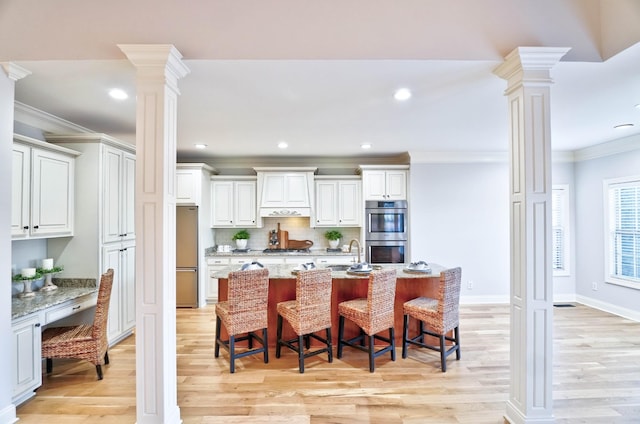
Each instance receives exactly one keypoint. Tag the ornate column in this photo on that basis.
(527, 71)
(159, 67)
(8, 78)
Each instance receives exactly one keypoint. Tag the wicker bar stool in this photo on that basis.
(244, 312)
(308, 314)
(373, 315)
(440, 315)
(87, 342)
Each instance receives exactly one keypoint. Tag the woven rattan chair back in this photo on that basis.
(247, 299)
(448, 300)
(381, 296)
(101, 315)
(313, 300)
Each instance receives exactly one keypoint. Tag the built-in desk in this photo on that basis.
(29, 315)
(282, 287)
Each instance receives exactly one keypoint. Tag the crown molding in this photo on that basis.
(614, 147)
(45, 121)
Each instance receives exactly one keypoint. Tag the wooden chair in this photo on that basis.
(308, 314)
(440, 315)
(373, 315)
(244, 311)
(87, 342)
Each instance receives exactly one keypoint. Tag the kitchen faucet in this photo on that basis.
(351, 244)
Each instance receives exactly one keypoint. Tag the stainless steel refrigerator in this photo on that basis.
(187, 256)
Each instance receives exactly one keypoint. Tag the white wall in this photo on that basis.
(459, 216)
(590, 255)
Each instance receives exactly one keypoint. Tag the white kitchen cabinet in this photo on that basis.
(105, 192)
(338, 203)
(43, 190)
(122, 314)
(379, 184)
(119, 191)
(214, 264)
(189, 182)
(26, 357)
(233, 203)
(285, 192)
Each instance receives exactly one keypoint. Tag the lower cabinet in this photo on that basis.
(211, 290)
(122, 308)
(26, 352)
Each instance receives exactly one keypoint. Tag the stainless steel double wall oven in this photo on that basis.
(386, 232)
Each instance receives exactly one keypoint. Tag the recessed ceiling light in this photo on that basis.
(200, 146)
(402, 94)
(118, 94)
(283, 145)
(623, 126)
(638, 106)
(365, 146)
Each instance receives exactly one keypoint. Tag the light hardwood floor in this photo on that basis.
(596, 379)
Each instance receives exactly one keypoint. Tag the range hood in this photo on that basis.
(285, 192)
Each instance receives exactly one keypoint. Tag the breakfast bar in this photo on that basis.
(346, 286)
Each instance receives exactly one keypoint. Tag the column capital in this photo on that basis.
(530, 64)
(14, 72)
(157, 59)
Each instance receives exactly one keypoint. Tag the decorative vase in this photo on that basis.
(334, 243)
(241, 243)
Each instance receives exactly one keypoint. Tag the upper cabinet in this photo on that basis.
(385, 184)
(119, 169)
(338, 202)
(233, 202)
(189, 181)
(43, 190)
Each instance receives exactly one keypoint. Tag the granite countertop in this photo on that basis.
(285, 271)
(68, 289)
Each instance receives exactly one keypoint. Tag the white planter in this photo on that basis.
(333, 244)
(241, 243)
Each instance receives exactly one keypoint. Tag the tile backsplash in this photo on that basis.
(298, 229)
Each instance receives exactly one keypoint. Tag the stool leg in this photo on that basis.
(456, 335)
(393, 343)
(329, 347)
(340, 333)
(301, 353)
(372, 366)
(443, 356)
(405, 335)
(232, 351)
(279, 336)
(265, 345)
(217, 341)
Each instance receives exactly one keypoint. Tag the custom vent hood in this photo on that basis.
(285, 192)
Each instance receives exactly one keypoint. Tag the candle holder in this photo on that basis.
(48, 276)
(26, 281)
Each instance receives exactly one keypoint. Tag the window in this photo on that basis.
(560, 229)
(622, 231)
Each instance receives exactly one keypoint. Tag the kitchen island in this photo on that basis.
(346, 286)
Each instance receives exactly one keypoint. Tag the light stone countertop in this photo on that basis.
(211, 252)
(68, 289)
(286, 271)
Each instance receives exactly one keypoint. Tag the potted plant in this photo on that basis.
(334, 237)
(241, 238)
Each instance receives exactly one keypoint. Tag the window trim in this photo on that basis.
(566, 270)
(607, 186)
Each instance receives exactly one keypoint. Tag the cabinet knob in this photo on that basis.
(26, 227)
(35, 227)
(37, 324)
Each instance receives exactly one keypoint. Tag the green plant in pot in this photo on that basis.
(241, 238)
(334, 237)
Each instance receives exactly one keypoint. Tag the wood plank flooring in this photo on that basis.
(596, 379)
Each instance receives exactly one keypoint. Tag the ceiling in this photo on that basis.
(321, 75)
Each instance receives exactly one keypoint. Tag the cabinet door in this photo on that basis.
(111, 259)
(52, 194)
(350, 207)
(128, 197)
(396, 185)
(187, 187)
(374, 185)
(26, 352)
(326, 203)
(128, 286)
(20, 191)
(112, 183)
(245, 203)
(222, 204)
